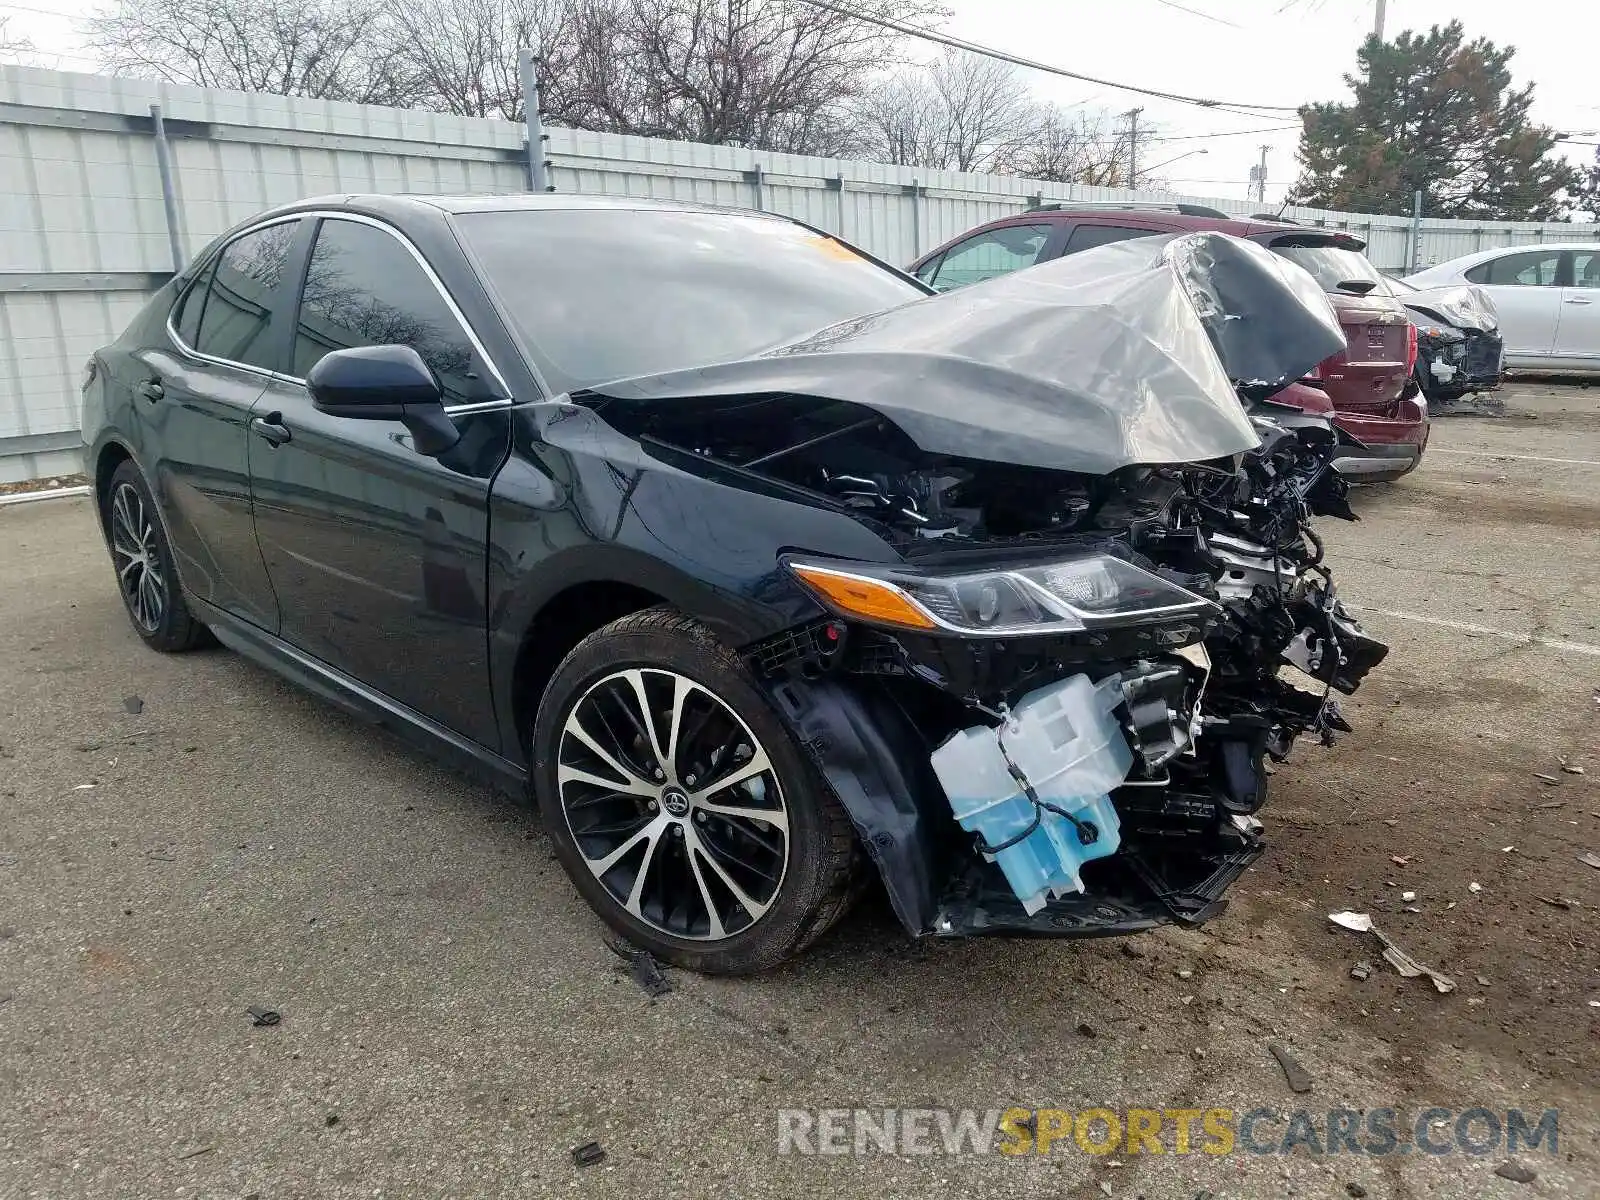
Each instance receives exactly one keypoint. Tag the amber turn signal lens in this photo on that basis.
(869, 599)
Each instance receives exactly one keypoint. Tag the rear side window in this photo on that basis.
(363, 288)
(1531, 268)
(242, 305)
(1087, 237)
(186, 317)
(991, 253)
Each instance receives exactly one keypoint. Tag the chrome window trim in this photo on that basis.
(438, 285)
(172, 331)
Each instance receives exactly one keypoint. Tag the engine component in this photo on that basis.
(1035, 788)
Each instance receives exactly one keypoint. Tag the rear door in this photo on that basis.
(1578, 327)
(229, 333)
(1086, 235)
(1526, 288)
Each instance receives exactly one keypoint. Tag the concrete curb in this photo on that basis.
(52, 494)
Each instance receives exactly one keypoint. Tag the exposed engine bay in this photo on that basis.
(1095, 614)
(1198, 695)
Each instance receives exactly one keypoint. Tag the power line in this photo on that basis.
(1195, 12)
(1193, 137)
(929, 35)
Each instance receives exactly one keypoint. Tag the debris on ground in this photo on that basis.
(588, 1154)
(1400, 860)
(1474, 887)
(1550, 780)
(1555, 903)
(1185, 973)
(1572, 768)
(1483, 981)
(643, 968)
(1131, 949)
(133, 705)
(1550, 806)
(263, 1016)
(1362, 970)
(1590, 859)
(1355, 1190)
(1085, 1029)
(1397, 958)
(1408, 896)
(1515, 1172)
(196, 1153)
(1298, 1077)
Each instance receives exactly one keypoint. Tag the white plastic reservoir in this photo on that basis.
(1064, 739)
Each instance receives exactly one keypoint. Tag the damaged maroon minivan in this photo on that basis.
(1367, 385)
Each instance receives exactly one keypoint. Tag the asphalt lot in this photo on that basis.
(453, 1024)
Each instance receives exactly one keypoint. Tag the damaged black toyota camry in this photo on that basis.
(767, 572)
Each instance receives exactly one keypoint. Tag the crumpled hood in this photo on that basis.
(1464, 305)
(1090, 363)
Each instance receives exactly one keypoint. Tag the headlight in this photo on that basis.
(1070, 595)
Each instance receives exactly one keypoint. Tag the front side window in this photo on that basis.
(237, 322)
(929, 269)
(1531, 268)
(1087, 237)
(364, 288)
(992, 253)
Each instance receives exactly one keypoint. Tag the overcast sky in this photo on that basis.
(1277, 52)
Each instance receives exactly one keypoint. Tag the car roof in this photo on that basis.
(1159, 221)
(396, 203)
(1478, 256)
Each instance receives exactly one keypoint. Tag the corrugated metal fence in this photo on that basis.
(84, 238)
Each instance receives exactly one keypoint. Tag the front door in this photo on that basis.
(193, 401)
(377, 553)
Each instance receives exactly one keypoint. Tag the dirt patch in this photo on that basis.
(52, 484)
(1485, 503)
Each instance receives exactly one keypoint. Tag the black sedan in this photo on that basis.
(748, 558)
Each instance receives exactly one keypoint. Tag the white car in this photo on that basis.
(1548, 297)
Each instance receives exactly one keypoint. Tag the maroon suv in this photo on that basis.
(1369, 387)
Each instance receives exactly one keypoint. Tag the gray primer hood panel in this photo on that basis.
(1089, 363)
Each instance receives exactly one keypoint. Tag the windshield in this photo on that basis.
(1330, 266)
(602, 294)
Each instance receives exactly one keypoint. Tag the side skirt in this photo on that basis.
(356, 697)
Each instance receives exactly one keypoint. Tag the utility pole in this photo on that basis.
(1377, 24)
(538, 174)
(1133, 146)
(1259, 177)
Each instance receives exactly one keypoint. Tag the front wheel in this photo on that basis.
(679, 804)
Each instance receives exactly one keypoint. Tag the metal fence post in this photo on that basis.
(915, 191)
(1416, 233)
(756, 178)
(169, 197)
(835, 183)
(538, 178)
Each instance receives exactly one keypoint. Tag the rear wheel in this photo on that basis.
(680, 805)
(142, 556)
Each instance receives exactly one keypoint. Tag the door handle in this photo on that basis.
(151, 390)
(272, 428)
(1578, 300)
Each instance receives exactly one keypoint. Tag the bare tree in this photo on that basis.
(327, 49)
(1068, 146)
(961, 113)
(12, 49)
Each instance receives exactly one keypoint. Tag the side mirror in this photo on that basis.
(384, 383)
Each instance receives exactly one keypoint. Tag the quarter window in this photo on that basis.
(238, 321)
(363, 288)
(1586, 269)
(1531, 268)
(186, 319)
(994, 252)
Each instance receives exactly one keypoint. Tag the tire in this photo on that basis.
(141, 555)
(718, 892)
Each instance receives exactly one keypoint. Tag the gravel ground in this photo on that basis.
(453, 1026)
